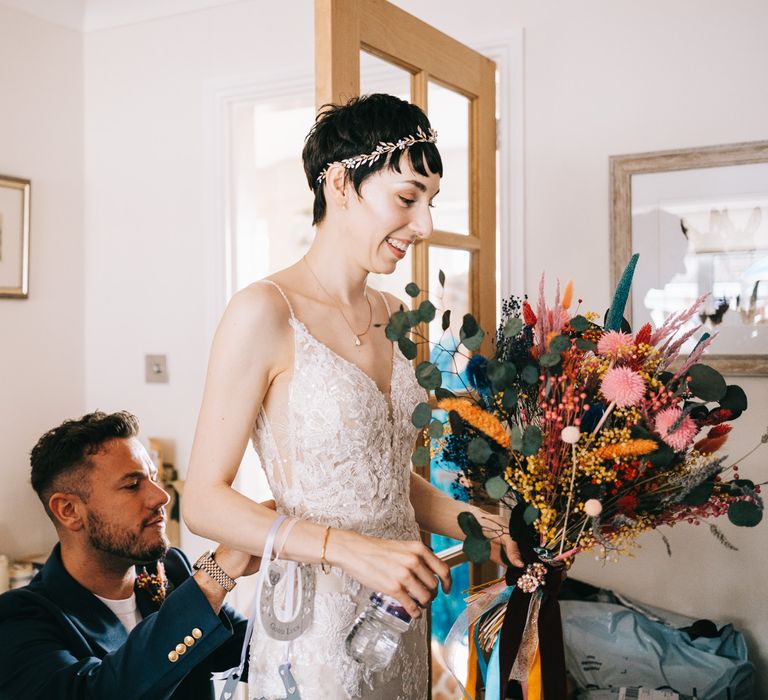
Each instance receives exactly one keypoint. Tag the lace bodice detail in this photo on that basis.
(339, 454)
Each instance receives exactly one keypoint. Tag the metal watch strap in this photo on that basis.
(208, 564)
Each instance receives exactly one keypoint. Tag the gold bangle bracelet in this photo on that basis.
(324, 564)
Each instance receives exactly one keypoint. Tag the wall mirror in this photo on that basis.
(699, 220)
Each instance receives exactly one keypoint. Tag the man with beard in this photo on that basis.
(115, 612)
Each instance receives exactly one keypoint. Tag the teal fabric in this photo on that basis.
(610, 646)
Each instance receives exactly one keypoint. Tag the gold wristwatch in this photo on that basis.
(207, 563)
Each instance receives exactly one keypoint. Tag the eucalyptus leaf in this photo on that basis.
(560, 343)
(496, 487)
(412, 289)
(398, 326)
(469, 525)
(408, 348)
(414, 318)
(579, 324)
(420, 456)
(745, 513)
(531, 440)
(585, 345)
(550, 359)
(436, 429)
(509, 398)
(530, 514)
(441, 278)
(441, 394)
(421, 415)
(457, 424)
(516, 439)
(472, 342)
(501, 374)
(478, 450)
(699, 495)
(428, 376)
(512, 327)
(706, 383)
(427, 311)
(735, 399)
(477, 550)
(446, 319)
(530, 374)
(469, 325)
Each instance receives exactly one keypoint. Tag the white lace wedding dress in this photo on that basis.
(348, 446)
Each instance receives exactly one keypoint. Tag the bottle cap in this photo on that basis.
(391, 606)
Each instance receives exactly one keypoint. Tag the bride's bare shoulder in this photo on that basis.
(259, 307)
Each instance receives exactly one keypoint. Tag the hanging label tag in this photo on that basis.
(230, 685)
(289, 682)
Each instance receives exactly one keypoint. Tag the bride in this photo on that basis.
(301, 366)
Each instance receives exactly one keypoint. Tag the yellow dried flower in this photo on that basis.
(483, 421)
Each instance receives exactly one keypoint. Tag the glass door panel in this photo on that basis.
(378, 75)
(454, 296)
(449, 115)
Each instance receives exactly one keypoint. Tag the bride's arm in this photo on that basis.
(253, 344)
(438, 513)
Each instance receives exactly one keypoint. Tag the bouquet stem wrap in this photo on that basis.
(548, 627)
(535, 580)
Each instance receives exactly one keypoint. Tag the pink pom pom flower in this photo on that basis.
(682, 436)
(613, 343)
(623, 386)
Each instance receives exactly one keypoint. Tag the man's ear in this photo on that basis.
(337, 185)
(67, 509)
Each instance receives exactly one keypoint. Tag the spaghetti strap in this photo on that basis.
(282, 294)
(386, 303)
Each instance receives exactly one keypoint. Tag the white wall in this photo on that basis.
(150, 207)
(41, 338)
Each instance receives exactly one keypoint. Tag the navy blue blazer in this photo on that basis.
(58, 641)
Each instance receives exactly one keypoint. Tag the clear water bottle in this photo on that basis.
(375, 636)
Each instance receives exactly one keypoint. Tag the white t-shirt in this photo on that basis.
(126, 610)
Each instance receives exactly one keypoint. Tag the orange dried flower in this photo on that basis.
(483, 421)
(631, 448)
(567, 295)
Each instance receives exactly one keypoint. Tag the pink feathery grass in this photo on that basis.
(623, 386)
(682, 436)
(613, 342)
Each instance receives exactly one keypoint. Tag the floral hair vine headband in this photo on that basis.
(383, 148)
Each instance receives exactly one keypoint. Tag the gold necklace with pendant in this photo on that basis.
(355, 336)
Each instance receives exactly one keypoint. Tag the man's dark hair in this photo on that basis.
(356, 128)
(60, 459)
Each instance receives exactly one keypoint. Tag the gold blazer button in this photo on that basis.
(189, 641)
(181, 649)
(197, 633)
(173, 657)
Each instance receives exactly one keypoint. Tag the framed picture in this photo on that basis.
(14, 237)
(699, 220)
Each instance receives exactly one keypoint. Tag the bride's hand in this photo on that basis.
(496, 529)
(406, 570)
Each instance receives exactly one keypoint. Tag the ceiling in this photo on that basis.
(90, 15)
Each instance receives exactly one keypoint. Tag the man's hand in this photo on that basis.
(236, 563)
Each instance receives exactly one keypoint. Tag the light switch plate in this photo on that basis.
(156, 369)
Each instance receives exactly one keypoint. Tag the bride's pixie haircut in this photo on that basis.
(357, 127)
